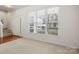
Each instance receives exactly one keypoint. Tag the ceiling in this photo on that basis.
(12, 8)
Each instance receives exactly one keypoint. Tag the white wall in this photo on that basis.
(13, 23)
(68, 25)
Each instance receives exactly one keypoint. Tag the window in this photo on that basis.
(44, 21)
(41, 24)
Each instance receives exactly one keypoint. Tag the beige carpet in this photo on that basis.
(29, 46)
